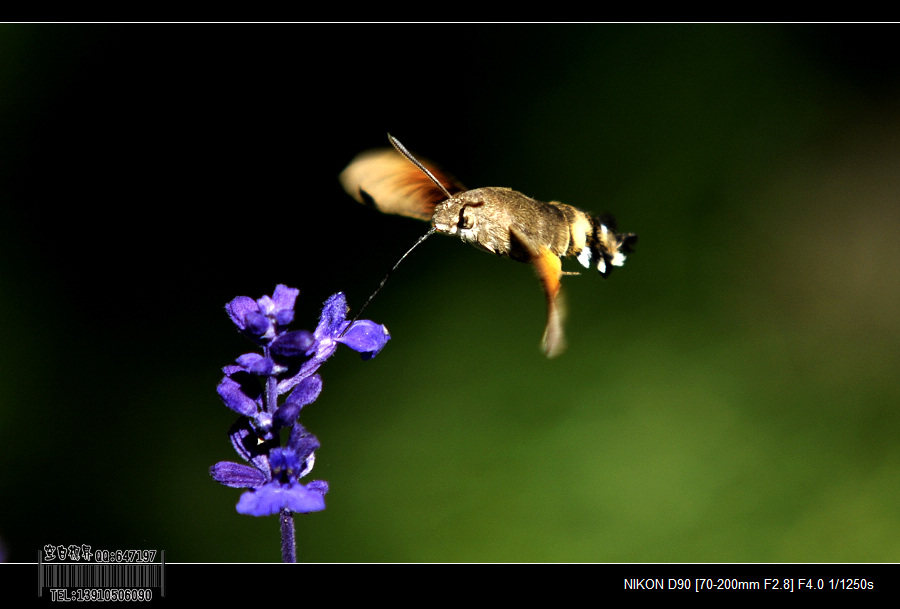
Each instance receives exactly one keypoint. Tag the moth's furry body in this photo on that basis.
(490, 218)
(498, 220)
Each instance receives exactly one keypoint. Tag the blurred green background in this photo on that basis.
(729, 395)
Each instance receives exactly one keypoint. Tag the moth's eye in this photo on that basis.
(466, 219)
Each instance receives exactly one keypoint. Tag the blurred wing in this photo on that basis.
(386, 180)
(549, 270)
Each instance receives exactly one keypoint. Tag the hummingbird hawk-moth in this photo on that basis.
(495, 219)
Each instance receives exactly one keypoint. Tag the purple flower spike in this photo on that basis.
(253, 387)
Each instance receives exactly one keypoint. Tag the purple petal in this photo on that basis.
(302, 442)
(334, 311)
(258, 324)
(280, 460)
(254, 363)
(247, 444)
(307, 390)
(306, 369)
(293, 344)
(324, 349)
(287, 414)
(238, 309)
(235, 395)
(366, 337)
(271, 498)
(237, 475)
(288, 466)
(246, 360)
(319, 486)
(284, 299)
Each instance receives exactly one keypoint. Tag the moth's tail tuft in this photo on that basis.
(606, 248)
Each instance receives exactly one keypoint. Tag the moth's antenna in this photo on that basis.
(430, 232)
(402, 150)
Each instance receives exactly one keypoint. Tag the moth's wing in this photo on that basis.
(549, 270)
(383, 178)
(548, 267)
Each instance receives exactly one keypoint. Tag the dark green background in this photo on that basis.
(729, 395)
